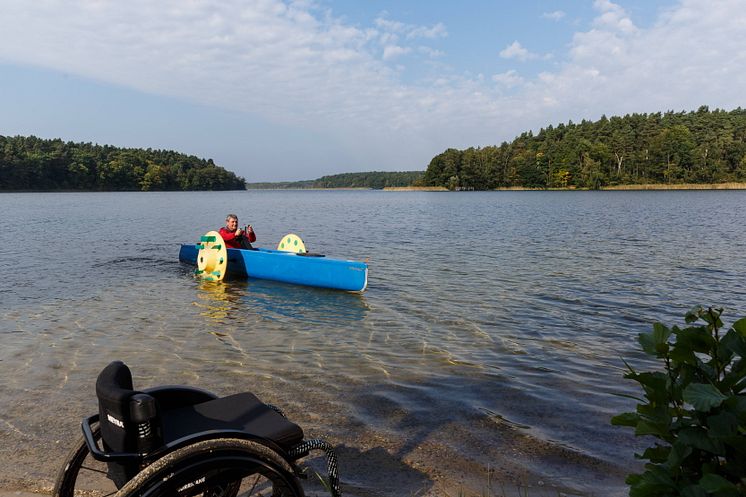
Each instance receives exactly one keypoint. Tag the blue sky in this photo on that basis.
(280, 90)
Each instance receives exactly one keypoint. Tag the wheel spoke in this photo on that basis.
(93, 469)
(254, 485)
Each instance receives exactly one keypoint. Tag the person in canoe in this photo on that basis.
(236, 237)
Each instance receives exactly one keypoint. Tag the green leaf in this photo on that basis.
(737, 405)
(734, 342)
(655, 386)
(740, 327)
(629, 368)
(683, 355)
(627, 396)
(647, 342)
(660, 333)
(679, 452)
(703, 396)
(625, 419)
(693, 491)
(648, 428)
(697, 438)
(655, 342)
(694, 406)
(695, 338)
(656, 454)
(693, 314)
(654, 482)
(722, 425)
(712, 317)
(714, 483)
(659, 415)
(633, 479)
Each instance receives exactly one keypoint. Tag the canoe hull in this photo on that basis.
(289, 267)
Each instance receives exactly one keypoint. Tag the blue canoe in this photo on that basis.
(290, 267)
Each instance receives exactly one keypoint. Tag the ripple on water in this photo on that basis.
(489, 340)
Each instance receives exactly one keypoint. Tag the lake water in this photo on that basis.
(485, 352)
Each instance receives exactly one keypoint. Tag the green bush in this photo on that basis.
(695, 408)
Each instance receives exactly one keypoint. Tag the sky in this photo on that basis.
(278, 90)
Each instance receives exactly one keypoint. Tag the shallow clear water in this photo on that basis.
(489, 340)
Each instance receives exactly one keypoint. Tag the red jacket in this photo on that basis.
(233, 241)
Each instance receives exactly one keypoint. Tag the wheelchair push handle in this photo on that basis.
(142, 408)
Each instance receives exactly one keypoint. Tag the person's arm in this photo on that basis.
(250, 235)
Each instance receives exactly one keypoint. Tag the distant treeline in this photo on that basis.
(31, 163)
(373, 179)
(281, 185)
(695, 147)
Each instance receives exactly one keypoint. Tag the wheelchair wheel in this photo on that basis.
(216, 467)
(82, 473)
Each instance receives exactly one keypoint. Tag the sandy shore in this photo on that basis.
(653, 186)
(416, 189)
(440, 492)
(370, 469)
(683, 186)
(370, 473)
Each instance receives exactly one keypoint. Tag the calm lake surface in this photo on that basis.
(486, 351)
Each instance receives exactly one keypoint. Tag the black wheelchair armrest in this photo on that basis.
(175, 396)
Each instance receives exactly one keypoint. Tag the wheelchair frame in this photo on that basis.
(210, 462)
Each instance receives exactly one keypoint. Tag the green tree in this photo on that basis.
(31, 163)
(443, 167)
(591, 174)
(156, 177)
(673, 148)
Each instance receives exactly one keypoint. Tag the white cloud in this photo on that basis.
(287, 61)
(392, 51)
(436, 31)
(431, 52)
(613, 17)
(692, 55)
(411, 31)
(516, 51)
(390, 26)
(301, 66)
(509, 78)
(554, 16)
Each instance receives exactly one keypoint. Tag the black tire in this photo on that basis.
(216, 467)
(84, 474)
(79, 465)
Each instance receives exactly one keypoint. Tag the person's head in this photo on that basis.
(231, 222)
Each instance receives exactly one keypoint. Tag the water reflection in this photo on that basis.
(217, 301)
(271, 300)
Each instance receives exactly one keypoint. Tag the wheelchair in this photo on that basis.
(183, 441)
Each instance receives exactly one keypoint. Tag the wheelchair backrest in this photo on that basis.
(128, 420)
(125, 414)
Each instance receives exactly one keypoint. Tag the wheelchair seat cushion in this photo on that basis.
(243, 411)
